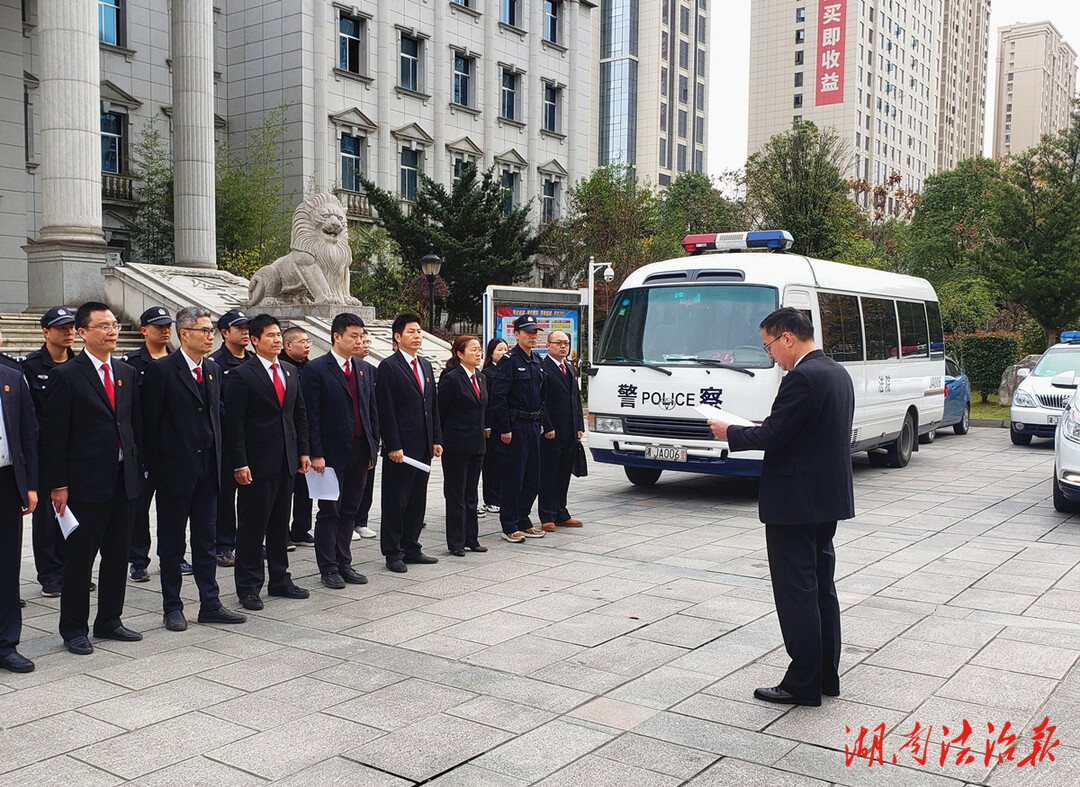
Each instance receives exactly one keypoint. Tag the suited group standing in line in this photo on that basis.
(266, 442)
(806, 487)
(297, 348)
(564, 426)
(50, 549)
(18, 496)
(344, 434)
(94, 468)
(409, 424)
(182, 444)
(361, 527)
(496, 349)
(463, 399)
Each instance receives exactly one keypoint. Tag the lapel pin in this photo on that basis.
(209, 377)
(7, 389)
(119, 382)
(286, 373)
(361, 372)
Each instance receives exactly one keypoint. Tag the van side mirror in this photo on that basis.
(1022, 372)
(1064, 380)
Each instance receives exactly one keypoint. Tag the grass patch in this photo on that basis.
(991, 410)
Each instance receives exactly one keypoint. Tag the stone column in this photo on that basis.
(193, 132)
(64, 264)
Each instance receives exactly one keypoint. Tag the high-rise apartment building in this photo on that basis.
(653, 96)
(868, 69)
(1036, 85)
(965, 42)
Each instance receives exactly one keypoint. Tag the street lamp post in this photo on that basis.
(430, 265)
(609, 275)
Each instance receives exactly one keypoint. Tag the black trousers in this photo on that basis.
(104, 528)
(173, 514)
(461, 474)
(227, 503)
(404, 501)
(139, 550)
(264, 507)
(50, 549)
(556, 465)
(336, 518)
(519, 481)
(802, 564)
(491, 470)
(301, 508)
(366, 500)
(11, 529)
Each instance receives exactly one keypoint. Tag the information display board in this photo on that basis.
(553, 310)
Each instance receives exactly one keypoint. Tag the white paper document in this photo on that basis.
(67, 522)
(324, 485)
(716, 414)
(418, 465)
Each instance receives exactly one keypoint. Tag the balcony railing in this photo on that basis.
(117, 187)
(356, 204)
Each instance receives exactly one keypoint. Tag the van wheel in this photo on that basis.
(899, 450)
(1062, 503)
(926, 439)
(641, 476)
(965, 422)
(1019, 438)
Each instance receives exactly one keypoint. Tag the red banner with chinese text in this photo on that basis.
(832, 23)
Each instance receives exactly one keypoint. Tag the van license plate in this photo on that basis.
(665, 453)
(1052, 419)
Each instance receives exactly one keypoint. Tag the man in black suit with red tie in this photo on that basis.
(343, 425)
(409, 424)
(806, 486)
(266, 432)
(182, 442)
(94, 466)
(564, 425)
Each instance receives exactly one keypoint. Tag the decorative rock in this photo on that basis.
(1009, 379)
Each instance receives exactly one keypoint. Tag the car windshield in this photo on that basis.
(707, 324)
(1058, 360)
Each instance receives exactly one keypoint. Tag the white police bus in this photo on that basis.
(684, 332)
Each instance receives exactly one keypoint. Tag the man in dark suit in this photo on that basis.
(266, 432)
(806, 487)
(360, 525)
(297, 350)
(564, 425)
(94, 466)
(409, 424)
(343, 425)
(18, 496)
(182, 442)
(58, 328)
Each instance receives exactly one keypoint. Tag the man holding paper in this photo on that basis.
(343, 425)
(806, 486)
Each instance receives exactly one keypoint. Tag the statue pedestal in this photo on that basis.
(324, 311)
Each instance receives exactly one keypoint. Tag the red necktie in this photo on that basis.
(475, 387)
(109, 390)
(198, 374)
(416, 371)
(563, 367)
(279, 386)
(347, 369)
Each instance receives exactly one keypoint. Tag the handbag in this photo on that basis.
(581, 465)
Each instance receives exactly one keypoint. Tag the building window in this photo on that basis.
(549, 201)
(410, 173)
(511, 13)
(682, 124)
(113, 132)
(463, 71)
(410, 63)
(701, 62)
(684, 54)
(800, 14)
(352, 163)
(350, 44)
(699, 95)
(699, 129)
(800, 36)
(510, 184)
(680, 162)
(701, 29)
(551, 108)
(684, 20)
(663, 152)
(798, 78)
(798, 101)
(799, 58)
(109, 23)
(699, 160)
(684, 89)
(552, 10)
(663, 80)
(508, 98)
(460, 165)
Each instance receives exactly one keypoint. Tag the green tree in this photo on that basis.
(794, 184)
(968, 305)
(693, 204)
(152, 232)
(470, 227)
(379, 279)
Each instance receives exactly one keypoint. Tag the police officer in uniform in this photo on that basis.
(58, 328)
(156, 327)
(233, 326)
(517, 412)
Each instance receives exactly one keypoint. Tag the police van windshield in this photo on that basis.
(700, 324)
(1056, 361)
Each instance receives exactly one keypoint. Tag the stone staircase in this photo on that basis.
(22, 335)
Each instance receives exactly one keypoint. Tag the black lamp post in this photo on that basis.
(430, 265)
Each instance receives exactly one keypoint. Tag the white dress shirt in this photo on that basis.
(343, 363)
(410, 359)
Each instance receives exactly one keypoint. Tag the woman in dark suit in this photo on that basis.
(496, 348)
(462, 407)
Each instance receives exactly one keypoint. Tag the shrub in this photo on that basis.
(1032, 338)
(241, 262)
(985, 356)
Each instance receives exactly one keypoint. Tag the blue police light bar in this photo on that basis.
(1070, 337)
(776, 240)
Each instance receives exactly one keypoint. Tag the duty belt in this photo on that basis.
(526, 415)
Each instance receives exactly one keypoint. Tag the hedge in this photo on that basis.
(985, 356)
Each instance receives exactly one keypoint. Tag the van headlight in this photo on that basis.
(608, 423)
(1024, 399)
(1070, 425)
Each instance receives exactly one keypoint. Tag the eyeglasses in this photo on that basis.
(204, 331)
(301, 341)
(766, 347)
(107, 327)
(564, 341)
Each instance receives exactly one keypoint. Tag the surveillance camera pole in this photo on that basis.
(593, 267)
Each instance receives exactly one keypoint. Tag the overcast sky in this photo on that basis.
(729, 70)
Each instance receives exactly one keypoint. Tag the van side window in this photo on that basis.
(914, 338)
(937, 336)
(879, 319)
(841, 328)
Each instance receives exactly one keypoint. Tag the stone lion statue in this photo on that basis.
(316, 270)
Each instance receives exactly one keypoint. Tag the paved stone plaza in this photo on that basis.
(623, 654)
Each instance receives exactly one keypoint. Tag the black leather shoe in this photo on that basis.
(457, 552)
(782, 697)
(397, 566)
(289, 545)
(140, 575)
(251, 602)
(305, 540)
(475, 548)
(185, 569)
(14, 662)
(221, 615)
(290, 591)
(80, 646)
(352, 576)
(420, 557)
(333, 581)
(175, 620)
(121, 633)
